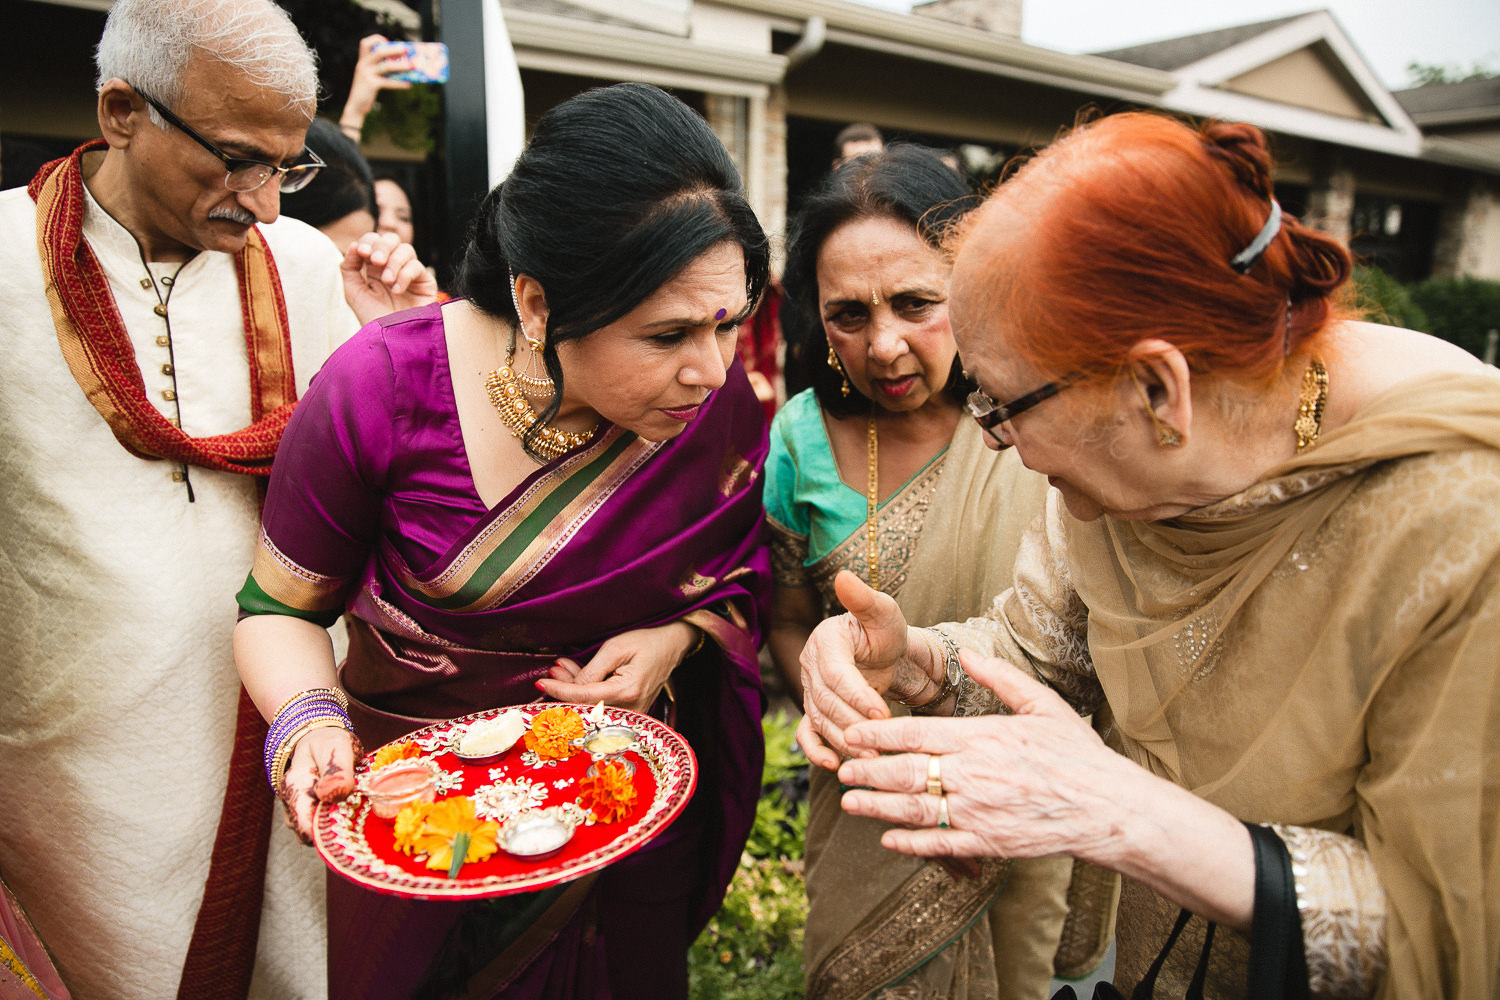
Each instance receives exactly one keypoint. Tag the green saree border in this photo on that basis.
(521, 540)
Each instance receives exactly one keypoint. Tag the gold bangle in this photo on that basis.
(288, 745)
(337, 695)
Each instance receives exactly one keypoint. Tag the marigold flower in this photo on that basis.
(404, 750)
(429, 828)
(551, 733)
(609, 794)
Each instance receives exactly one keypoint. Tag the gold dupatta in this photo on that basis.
(1319, 651)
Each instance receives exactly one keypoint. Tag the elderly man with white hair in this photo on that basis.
(159, 323)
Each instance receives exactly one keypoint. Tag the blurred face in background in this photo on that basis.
(395, 210)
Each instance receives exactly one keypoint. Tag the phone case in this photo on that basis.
(429, 61)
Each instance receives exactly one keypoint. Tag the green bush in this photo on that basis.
(1382, 299)
(752, 948)
(1462, 311)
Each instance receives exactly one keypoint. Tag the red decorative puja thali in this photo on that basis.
(361, 846)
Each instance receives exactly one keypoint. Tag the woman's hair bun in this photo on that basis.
(1242, 149)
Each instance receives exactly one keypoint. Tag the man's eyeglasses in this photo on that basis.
(246, 175)
(990, 414)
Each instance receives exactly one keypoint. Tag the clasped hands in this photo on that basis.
(1031, 784)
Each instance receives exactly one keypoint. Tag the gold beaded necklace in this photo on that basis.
(516, 413)
(872, 496)
(1311, 401)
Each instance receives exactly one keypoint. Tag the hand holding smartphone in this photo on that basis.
(429, 60)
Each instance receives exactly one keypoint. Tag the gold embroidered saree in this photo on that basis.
(882, 924)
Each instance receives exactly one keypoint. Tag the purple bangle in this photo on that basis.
(289, 721)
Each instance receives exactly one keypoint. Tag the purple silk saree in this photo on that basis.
(454, 608)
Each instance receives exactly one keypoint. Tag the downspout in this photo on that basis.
(810, 44)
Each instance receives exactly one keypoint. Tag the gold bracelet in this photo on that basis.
(288, 745)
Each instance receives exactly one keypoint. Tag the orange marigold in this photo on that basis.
(609, 793)
(389, 754)
(429, 828)
(551, 731)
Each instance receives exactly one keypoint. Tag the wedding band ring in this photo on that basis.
(943, 823)
(934, 775)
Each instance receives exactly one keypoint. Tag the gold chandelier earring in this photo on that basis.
(539, 385)
(836, 365)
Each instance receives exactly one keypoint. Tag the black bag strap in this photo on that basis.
(1278, 963)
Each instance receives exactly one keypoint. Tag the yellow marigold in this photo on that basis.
(429, 828)
(393, 752)
(551, 731)
(609, 794)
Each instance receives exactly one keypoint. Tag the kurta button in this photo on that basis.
(166, 369)
(163, 341)
(160, 309)
(168, 395)
(172, 421)
(145, 282)
(178, 477)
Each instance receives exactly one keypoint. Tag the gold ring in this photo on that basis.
(943, 823)
(934, 775)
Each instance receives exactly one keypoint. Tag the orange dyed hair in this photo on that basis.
(1123, 230)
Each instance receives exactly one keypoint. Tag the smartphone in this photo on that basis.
(429, 60)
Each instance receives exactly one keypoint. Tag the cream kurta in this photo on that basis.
(118, 604)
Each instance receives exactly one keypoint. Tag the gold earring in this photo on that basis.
(1166, 437)
(833, 362)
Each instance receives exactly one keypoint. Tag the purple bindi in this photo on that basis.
(721, 314)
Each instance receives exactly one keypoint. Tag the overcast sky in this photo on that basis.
(1388, 33)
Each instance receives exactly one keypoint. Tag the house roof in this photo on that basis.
(1175, 53)
(1452, 103)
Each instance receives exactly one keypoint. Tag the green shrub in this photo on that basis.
(1382, 299)
(1462, 311)
(752, 948)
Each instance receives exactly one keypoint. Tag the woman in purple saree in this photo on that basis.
(626, 567)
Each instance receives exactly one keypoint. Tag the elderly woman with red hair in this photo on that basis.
(1270, 566)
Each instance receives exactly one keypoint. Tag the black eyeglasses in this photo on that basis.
(990, 414)
(245, 175)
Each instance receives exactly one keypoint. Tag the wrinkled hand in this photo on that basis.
(1033, 784)
(321, 770)
(848, 663)
(628, 671)
(372, 75)
(383, 275)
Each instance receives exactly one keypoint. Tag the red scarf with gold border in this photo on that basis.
(100, 356)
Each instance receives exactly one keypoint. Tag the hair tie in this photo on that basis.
(1246, 258)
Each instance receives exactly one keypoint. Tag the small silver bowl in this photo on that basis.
(609, 741)
(534, 834)
(625, 762)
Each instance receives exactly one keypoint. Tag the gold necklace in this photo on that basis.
(872, 547)
(1311, 400)
(516, 414)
